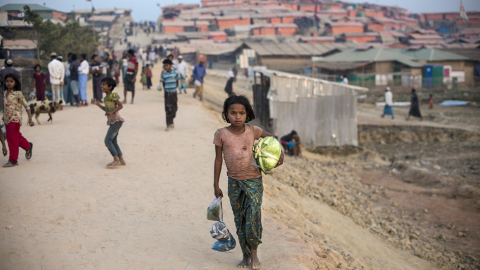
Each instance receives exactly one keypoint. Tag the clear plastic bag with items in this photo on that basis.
(215, 211)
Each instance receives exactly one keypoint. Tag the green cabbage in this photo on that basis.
(267, 152)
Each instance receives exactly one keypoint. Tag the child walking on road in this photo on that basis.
(13, 102)
(114, 121)
(245, 185)
(169, 79)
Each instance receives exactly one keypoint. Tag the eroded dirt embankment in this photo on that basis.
(391, 134)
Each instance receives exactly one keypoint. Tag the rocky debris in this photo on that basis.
(335, 184)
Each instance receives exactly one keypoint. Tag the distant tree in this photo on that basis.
(62, 39)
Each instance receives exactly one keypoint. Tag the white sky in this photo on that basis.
(148, 9)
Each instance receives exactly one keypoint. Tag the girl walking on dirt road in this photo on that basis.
(13, 102)
(114, 121)
(245, 185)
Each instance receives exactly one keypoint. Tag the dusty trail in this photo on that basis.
(64, 210)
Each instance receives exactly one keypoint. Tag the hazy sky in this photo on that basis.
(148, 9)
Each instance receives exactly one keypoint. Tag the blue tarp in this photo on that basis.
(454, 103)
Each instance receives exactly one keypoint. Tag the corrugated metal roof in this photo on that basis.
(294, 49)
(431, 54)
(374, 55)
(19, 7)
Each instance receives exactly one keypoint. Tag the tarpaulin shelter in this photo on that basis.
(322, 112)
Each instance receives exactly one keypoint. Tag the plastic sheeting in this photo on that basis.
(454, 103)
(323, 113)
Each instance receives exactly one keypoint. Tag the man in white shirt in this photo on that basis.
(182, 70)
(152, 56)
(144, 58)
(56, 70)
(387, 110)
(83, 71)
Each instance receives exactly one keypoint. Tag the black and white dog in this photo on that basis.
(46, 106)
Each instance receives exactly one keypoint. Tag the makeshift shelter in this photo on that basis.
(323, 113)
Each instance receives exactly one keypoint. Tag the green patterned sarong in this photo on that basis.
(246, 200)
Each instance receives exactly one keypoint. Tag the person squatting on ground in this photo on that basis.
(414, 106)
(40, 83)
(132, 69)
(182, 70)
(169, 79)
(114, 121)
(388, 109)
(56, 70)
(96, 69)
(83, 71)
(245, 185)
(199, 72)
(13, 102)
(292, 144)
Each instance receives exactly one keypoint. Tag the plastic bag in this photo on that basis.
(224, 245)
(219, 231)
(197, 83)
(225, 239)
(159, 87)
(215, 211)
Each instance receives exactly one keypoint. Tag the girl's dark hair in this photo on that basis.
(110, 82)
(18, 84)
(241, 99)
(35, 67)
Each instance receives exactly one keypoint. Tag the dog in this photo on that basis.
(46, 106)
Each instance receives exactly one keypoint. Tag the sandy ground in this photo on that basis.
(64, 210)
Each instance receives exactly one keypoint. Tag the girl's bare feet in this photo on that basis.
(124, 101)
(255, 261)
(113, 164)
(246, 262)
(122, 162)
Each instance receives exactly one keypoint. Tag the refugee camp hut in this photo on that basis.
(290, 57)
(323, 113)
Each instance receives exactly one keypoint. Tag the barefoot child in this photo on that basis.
(114, 121)
(13, 102)
(245, 186)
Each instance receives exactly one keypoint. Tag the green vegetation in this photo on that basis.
(62, 39)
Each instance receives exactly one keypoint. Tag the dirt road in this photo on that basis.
(64, 210)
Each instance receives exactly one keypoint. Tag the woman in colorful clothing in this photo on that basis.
(13, 102)
(114, 121)
(40, 82)
(245, 185)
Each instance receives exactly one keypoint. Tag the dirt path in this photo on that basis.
(64, 210)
